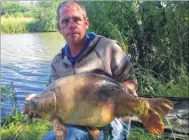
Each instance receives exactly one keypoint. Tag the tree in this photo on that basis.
(158, 29)
(10, 7)
(45, 15)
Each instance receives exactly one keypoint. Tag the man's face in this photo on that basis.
(72, 23)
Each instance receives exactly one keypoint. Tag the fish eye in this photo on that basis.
(103, 94)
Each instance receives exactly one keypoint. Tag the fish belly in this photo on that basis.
(89, 113)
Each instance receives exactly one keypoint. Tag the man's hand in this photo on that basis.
(132, 86)
(29, 97)
(30, 114)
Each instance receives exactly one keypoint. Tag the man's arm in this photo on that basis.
(122, 68)
(53, 75)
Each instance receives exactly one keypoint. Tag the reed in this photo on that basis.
(5, 20)
(15, 25)
(154, 84)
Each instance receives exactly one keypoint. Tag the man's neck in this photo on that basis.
(76, 48)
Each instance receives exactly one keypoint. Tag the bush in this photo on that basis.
(4, 93)
(159, 30)
(18, 15)
(11, 7)
(153, 84)
(45, 16)
(14, 28)
(28, 14)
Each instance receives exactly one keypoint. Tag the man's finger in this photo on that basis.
(30, 96)
(134, 94)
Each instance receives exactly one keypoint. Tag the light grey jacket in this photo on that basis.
(102, 55)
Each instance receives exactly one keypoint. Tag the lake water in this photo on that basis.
(25, 62)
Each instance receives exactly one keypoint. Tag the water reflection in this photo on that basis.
(25, 61)
(30, 47)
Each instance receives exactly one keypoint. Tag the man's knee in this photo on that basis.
(73, 133)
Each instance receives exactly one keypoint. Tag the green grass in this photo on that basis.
(38, 128)
(35, 130)
(17, 127)
(21, 130)
(138, 133)
(16, 25)
(5, 20)
(159, 86)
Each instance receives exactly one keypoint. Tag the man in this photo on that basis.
(88, 52)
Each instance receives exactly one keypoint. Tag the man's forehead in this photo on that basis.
(73, 7)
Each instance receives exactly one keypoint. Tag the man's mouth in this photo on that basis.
(72, 33)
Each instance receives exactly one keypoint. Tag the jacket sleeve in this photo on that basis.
(121, 67)
(53, 75)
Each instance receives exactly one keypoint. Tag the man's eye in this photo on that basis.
(76, 19)
(65, 21)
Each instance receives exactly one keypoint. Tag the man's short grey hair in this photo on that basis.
(69, 3)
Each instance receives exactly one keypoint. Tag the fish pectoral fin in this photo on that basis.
(59, 128)
(94, 132)
(153, 122)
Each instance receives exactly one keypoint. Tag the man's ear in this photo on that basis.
(87, 23)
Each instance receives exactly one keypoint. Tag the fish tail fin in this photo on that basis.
(161, 106)
(152, 119)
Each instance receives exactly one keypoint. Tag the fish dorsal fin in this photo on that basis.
(59, 128)
(100, 72)
(94, 132)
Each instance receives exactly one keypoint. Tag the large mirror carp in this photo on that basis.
(94, 100)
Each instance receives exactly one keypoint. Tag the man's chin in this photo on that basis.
(73, 39)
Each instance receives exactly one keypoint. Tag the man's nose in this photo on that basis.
(71, 24)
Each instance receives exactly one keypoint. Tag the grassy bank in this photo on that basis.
(17, 128)
(20, 25)
(6, 20)
(16, 25)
